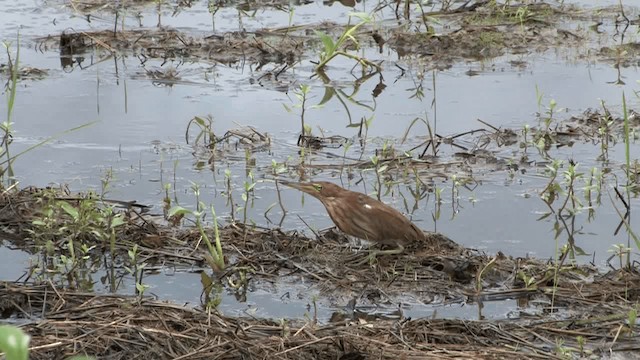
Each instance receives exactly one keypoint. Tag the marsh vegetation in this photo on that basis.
(142, 144)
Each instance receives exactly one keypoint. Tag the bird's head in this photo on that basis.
(318, 189)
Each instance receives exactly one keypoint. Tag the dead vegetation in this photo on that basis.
(64, 323)
(562, 308)
(258, 48)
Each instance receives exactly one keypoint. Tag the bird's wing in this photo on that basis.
(388, 225)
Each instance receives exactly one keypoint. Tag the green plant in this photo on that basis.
(215, 256)
(605, 122)
(549, 112)
(302, 95)
(14, 343)
(213, 6)
(437, 203)
(136, 270)
(291, 12)
(620, 251)
(205, 135)
(239, 281)
(571, 175)
(562, 186)
(593, 185)
(630, 185)
(229, 193)
(79, 225)
(248, 190)
(331, 48)
(529, 281)
(526, 130)
(379, 170)
(545, 136)
(366, 123)
(277, 169)
(166, 200)
(522, 14)
(563, 350)
(481, 273)
(581, 343)
(455, 188)
(552, 191)
(212, 291)
(6, 126)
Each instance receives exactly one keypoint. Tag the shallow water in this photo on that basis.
(140, 129)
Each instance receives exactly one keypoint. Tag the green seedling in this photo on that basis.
(137, 270)
(248, 190)
(332, 49)
(621, 251)
(205, 135)
(529, 281)
(303, 96)
(215, 256)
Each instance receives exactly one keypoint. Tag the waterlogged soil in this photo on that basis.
(413, 305)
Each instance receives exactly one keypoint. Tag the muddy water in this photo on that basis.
(140, 129)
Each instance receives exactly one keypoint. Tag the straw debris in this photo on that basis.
(65, 323)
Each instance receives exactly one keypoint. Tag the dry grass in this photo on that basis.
(64, 323)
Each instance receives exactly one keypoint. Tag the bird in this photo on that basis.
(361, 216)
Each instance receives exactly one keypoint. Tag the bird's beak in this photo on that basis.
(304, 187)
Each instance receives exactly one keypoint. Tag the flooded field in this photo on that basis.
(507, 131)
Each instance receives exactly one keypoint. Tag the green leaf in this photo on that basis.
(329, 92)
(179, 210)
(270, 207)
(544, 216)
(70, 210)
(117, 221)
(580, 251)
(200, 120)
(361, 15)
(14, 343)
(206, 281)
(327, 42)
(141, 287)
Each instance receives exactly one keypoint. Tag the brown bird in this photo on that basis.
(359, 215)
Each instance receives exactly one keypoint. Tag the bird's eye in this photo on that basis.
(318, 187)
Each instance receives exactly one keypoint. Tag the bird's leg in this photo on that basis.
(374, 253)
